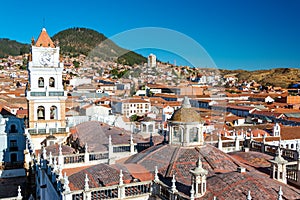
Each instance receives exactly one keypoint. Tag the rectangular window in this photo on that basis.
(13, 146)
(13, 143)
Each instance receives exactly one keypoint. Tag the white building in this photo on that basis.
(135, 106)
(80, 81)
(167, 113)
(151, 60)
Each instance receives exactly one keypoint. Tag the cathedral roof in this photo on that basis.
(54, 149)
(180, 160)
(44, 40)
(95, 134)
(186, 113)
(98, 175)
(223, 179)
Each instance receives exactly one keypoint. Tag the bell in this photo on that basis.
(40, 113)
(41, 83)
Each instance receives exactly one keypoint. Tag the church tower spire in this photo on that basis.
(44, 40)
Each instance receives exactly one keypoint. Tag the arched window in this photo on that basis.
(41, 82)
(41, 113)
(51, 82)
(144, 128)
(53, 112)
(150, 128)
(194, 134)
(177, 134)
(13, 128)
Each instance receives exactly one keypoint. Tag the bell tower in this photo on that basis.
(45, 92)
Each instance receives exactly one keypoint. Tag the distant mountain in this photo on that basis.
(283, 77)
(12, 47)
(75, 41)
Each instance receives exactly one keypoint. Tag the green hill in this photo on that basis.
(75, 41)
(11, 47)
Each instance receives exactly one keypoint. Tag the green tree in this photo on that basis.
(133, 118)
(76, 64)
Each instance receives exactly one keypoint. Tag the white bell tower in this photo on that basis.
(45, 91)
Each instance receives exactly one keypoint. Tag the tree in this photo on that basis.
(133, 118)
(76, 64)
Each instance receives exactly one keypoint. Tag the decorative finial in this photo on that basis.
(131, 139)
(199, 163)
(156, 178)
(60, 176)
(249, 196)
(278, 152)
(86, 148)
(279, 143)
(280, 193)
(19, 193)
(60, 150)
(50, 158)
(121, 178)
(86, 183)
(173, 183)
(109, 140)
(54, 166)
(192, 197)
(66, 183)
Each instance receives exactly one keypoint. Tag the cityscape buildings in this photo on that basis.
(199, 137)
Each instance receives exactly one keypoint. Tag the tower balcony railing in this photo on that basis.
(47, 93)
(36, 131)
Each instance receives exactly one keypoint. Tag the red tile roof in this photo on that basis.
(44, 40)
(98, 175)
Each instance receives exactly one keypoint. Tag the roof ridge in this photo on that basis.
(172, 161)
(152, 152)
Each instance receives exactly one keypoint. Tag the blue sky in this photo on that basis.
(246, 34)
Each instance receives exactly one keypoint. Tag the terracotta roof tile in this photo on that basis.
(96, 135)
(44, 40)
(99, 175)
(290, 132)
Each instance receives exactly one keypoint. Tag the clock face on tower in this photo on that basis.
(45, 58)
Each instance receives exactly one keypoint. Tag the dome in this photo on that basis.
(186, 113)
